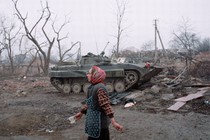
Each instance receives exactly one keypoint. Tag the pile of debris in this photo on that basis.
(183, 100)
(21, 85)
(173, 84)
(201, 70)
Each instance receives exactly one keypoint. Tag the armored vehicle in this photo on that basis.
(120, 76)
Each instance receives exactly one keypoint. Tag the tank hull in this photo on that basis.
(120, 77)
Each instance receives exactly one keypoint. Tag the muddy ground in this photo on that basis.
(31, 109)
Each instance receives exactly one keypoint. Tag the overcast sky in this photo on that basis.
(93, 22)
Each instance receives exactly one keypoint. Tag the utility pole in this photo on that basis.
(157, 32)
(155, 40)
(164, 51)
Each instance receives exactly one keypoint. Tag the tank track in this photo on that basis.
(67, 86)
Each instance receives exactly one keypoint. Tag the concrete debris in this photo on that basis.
(129, 105)
(49, 131)
(155, 89)
(167, 97)
(117, 98)
(135, 95)
(207, 102)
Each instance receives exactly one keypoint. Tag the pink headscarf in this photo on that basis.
(98, 75)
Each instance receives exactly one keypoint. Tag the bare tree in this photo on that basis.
(43, 20)
(187, 41)
(10, 36)
(147, 45)
(30, 33)
(204, 46)
(62, 52)
(2, 47)
(33, 59)
(121, 11)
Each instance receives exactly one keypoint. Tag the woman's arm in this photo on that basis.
(104, 102)
(82, 111)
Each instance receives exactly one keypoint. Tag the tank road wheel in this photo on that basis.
(85, 87)
(131, 77)
(76, 88)
(119, 86)
(110, 87)
(56, 82)
(66, 88)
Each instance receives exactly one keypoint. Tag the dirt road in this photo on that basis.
(31, 109)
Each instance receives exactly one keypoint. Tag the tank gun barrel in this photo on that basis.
(103, 52)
